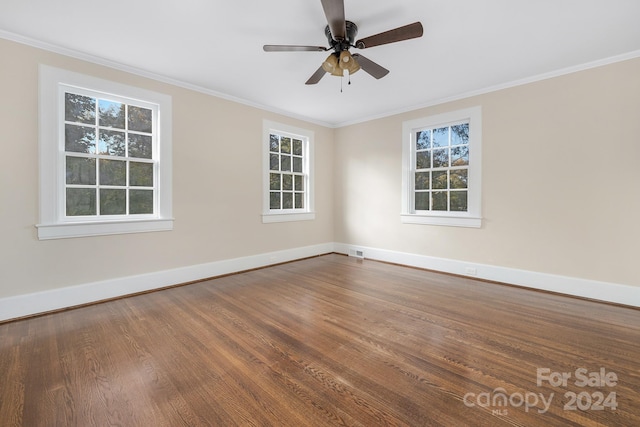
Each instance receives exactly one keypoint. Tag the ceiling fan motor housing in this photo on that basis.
(340, 45)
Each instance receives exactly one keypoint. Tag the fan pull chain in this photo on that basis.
(342, 80)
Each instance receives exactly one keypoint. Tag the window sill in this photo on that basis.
(287, 217)
(87, 229)
(451, 221)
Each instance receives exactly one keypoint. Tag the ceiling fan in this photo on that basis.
(341, 35)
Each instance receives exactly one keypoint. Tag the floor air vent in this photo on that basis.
(356, 253)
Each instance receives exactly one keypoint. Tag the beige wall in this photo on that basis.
(217, 178)
(561, 181)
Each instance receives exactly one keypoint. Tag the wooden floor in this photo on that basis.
(325, 341)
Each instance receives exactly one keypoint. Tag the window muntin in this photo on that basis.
(441, 168)
(441, 180)
(110, 158)
(287, 174)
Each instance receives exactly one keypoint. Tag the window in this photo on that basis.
(288, 178)
(105, 157)
(442, 170)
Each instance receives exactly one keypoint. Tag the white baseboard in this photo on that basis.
(602, 291)
(41, 302)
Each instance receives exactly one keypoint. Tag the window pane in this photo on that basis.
(423, 160)
(274, 200)
(459, 201)
(274, 162)
(460, 134)
(422, 180)
(287, 200)
(287, 182)
(140, 146)
(79, 139)
(80, 171)
(111, 114)
(440, 201)
(113, 172)
(285, 163)
(458, 178)
(423, 140)
(441, 158)
(299, 200)
(113, 202)
(79, 109)
(141, 174)
(81, 201)
(140, 119)
(297, 147)
(111, 143)
(274, 181)
(297, 164)
(422, 201)
(141, 201)
(274, 143)
(285, 145)
(460, 156)
(439, 180)
(299, 183)
(441, 137)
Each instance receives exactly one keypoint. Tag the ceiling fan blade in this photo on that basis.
(334, 11)
(406, 32)
(315, 78)
(292, 48)
(377, 71)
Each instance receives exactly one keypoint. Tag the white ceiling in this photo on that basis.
(469, 46)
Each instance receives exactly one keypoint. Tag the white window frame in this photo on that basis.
(53, 222)
(285, 215)
(473, 216)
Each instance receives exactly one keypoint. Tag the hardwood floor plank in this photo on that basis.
(325, 341)
(12, 393)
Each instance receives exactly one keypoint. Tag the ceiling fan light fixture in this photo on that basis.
(333, 66)
(330, 64)
(348, 62)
